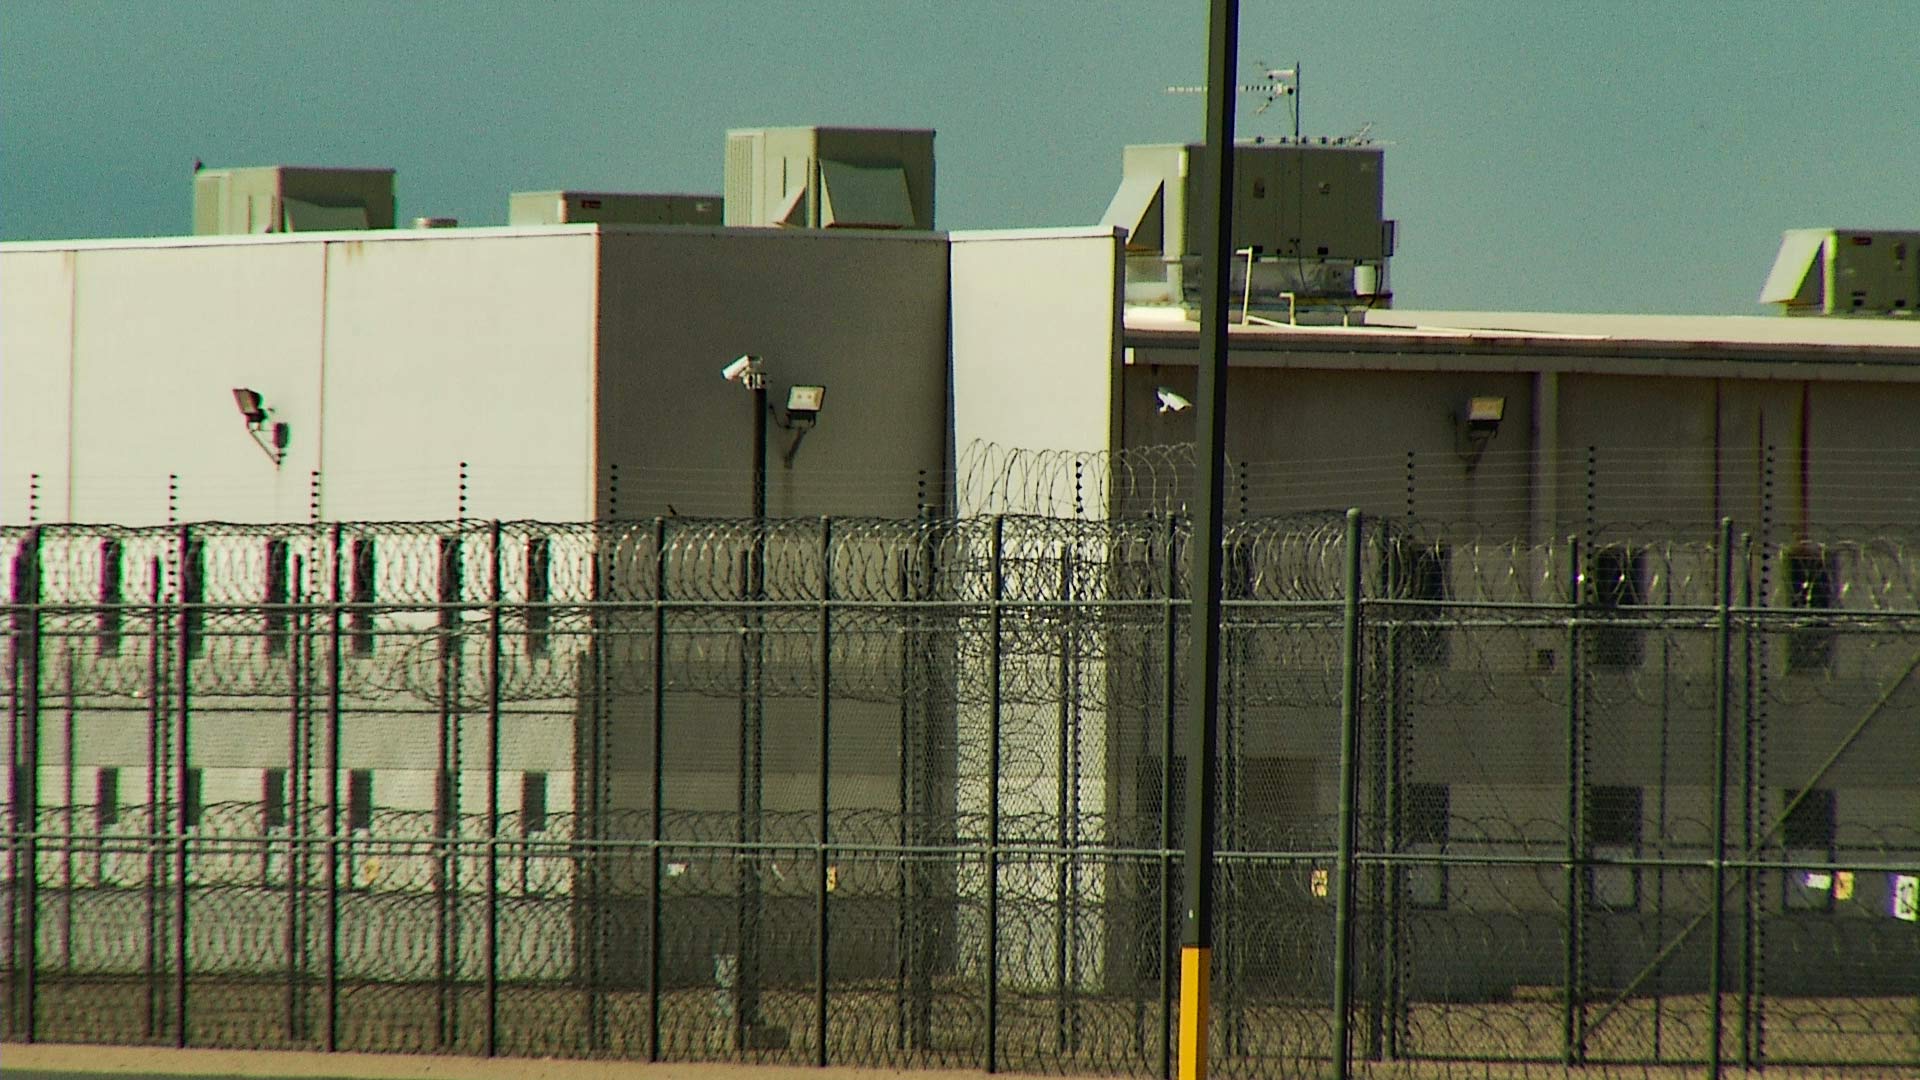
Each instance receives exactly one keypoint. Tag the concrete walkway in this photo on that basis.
(20, 1061)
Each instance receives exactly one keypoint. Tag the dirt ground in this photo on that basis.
(39, 1058)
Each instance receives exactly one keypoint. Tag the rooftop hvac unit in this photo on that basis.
(824, 178)
(1308, 224)
(285, 198)
(611, 208)
(1845, 272)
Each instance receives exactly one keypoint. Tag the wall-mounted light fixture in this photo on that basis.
(271, 438)
(1478, 423)
(803, 411)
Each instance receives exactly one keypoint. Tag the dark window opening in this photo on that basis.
(22, 594)
(193, 798)
(451, 573)
(106, 799)
(1615, 820)
(539, 591)
(276, 597)
(112, 596)
(361, 592)
(1809, 835)
(1813, 822)
(1420, 573)
(1813, 578)
(360, 799)
(1426, 826)
(1616, 579)
(193, 597)
(446, 808)
(21, 799)
(533, 803)
(273, 798)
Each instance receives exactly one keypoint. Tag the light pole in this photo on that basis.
(1203, 707)
(749, 1032)
(802, 412)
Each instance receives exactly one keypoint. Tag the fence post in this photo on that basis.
(331, 1022)
(657, 800)
(1349, 795)
(822, 883)
(26, 792)
(192, 595)
(492, 1020)
(1063, 794)
(159, 692)
(657, 803)
(1572, 1006)
(1169, 691)
(996, 582)
(1723, 689)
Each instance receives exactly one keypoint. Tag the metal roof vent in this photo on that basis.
(286, 198)
(827, 178)
(1845, 272)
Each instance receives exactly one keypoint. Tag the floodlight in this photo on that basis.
(251, 405)
(803, 402)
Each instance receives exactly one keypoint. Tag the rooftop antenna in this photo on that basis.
(1276, 83)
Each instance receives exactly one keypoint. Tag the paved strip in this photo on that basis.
(51, 1061)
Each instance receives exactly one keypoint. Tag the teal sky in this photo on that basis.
(1611, 156)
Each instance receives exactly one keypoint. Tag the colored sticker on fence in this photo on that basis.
(1843, 885)
(1906, 898)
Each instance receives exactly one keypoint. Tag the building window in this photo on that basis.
(273, 798)
(1808, 835)
(1813, 578)
(276, 597)
(539, 591)
(1427, 825)
(451, 573)
(193, 596)
(106, 799)
(1616, 580)
(1614, 821)
(359, 800)
(193, 799)
(112, 596)
(533, 803)
(446, 805)
(20, 799)
(361, 592)
(1418, 572)
(21, 595)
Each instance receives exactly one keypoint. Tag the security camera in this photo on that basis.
(740, 368)
(1171, 402)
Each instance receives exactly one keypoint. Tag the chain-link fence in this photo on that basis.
(898, 793)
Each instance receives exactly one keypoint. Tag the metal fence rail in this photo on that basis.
(899, 792)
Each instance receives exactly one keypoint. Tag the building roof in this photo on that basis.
(1692, 333)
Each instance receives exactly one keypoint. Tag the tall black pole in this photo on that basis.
(747, 1021)
(1203, 700)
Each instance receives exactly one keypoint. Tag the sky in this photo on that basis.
(1614, 156)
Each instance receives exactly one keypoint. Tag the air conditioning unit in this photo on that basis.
(826, 178)
(287, 198)
(611, 208)
(1308, 223)
(1845, 272)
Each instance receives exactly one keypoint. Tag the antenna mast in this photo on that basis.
(1276, 83)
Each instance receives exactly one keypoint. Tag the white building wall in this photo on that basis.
(391, 360)
(1036, 331)
(1036, 327)
(36, 371)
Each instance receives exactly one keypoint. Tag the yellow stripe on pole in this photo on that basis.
(1195, 962)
